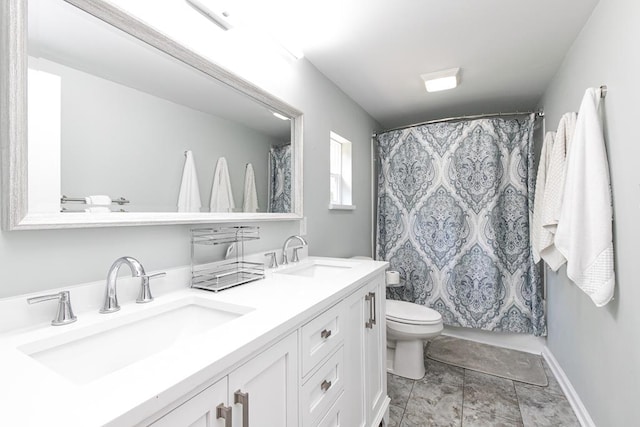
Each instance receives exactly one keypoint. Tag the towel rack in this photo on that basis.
(65, 199)
(67, 210)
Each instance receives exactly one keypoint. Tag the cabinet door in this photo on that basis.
(266, 387)
(375, 336)
(199, 411)
(354, 369)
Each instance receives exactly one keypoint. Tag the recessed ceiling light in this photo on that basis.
(441, 80)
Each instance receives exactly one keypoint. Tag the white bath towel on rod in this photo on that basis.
(189, 196)
(250, 201)
(539, 234)
(221, 194)
(98, 200)
(584, 234)
(554, 190)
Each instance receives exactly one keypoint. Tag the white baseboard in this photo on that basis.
(521, 342)
(571, 394)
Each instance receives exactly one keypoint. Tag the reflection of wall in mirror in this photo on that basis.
(123, 142)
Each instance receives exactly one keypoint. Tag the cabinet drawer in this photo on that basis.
(335, 416)
(321, 336)
(322, 389)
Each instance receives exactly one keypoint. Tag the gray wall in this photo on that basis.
(120, 141)
(599, 348)
(39, 260)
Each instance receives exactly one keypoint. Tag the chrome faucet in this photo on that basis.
(137, 270)
(285, 260)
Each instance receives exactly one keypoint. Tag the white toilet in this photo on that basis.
(409, 325)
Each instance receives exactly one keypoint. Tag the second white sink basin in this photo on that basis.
(85, 355)
(318, 269)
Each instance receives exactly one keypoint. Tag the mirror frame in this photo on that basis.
(13, 126)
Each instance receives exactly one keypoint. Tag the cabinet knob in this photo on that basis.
(225, 413)
(325, 333)
(326, 385)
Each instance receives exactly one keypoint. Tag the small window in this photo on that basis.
(339, 172)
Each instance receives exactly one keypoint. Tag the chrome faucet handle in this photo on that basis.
(145, 291)
(295, 257)
(303, 242)
(64, 315)
(273, 261)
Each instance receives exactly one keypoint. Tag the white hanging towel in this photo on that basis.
(554, 191)
(250, 201)
(221, 194)
(98, 200)
(189, 196)
(539, 234)
(584, 234)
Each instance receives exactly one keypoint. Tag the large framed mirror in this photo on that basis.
(106, 121)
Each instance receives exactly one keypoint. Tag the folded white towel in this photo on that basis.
(584, 234)
(554, 190)
(221, 194)
(538, 233)
(189, 196)
(98, 209)
(98, 200)
(250, 201)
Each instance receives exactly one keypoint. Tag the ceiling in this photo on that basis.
(375, 50)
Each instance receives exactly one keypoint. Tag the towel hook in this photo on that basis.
(603, 91)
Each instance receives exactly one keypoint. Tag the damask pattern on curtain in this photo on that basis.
(454, 206)
(280, 179)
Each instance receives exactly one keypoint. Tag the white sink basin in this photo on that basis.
(85, 355)
(318, 269)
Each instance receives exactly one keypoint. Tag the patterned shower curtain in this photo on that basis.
(280, 179)
(454, 205)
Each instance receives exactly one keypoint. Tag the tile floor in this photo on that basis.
(453, 396)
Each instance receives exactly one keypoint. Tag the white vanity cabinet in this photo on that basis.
(261, 392)
(365, 355)
(330, 371)
(199, 411)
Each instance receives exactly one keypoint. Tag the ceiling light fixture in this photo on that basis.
(280, 116)
(221, 19)
(441, 80)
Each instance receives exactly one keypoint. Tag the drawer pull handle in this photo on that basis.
(242, 399)
(325, 334)
(370, 299)
(326, 385)
(224, 412)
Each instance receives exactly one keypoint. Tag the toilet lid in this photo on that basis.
(407, 312)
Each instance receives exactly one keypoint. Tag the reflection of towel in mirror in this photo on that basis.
(189, 197)
(250, 202)
(221, 195)
(98, 200)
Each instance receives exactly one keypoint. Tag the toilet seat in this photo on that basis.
(411, 314)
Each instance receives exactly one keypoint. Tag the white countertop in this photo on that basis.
(33, 395)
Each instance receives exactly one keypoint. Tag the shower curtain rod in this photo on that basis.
(538, 114)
